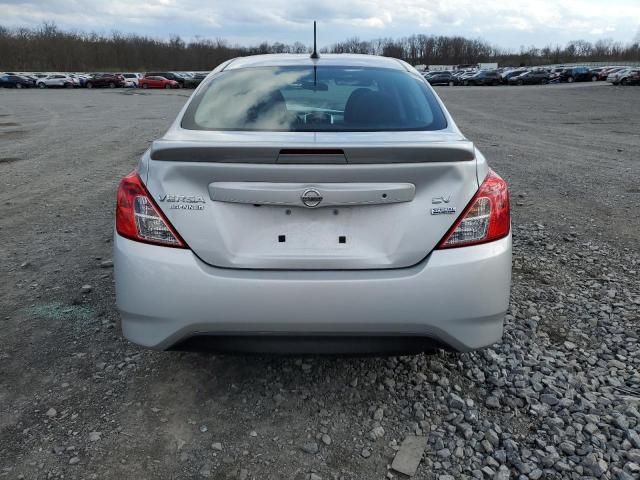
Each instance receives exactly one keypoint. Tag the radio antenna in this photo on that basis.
(315, 53)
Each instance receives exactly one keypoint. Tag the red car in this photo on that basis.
(157, 82)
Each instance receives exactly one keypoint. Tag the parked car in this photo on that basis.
(506, 75)
(110, 80)
(443, 78)
(633, 78)
(157, 82)
(604, 74)
(240, 230)
(131, 79)
(617, 76)
(56, 80)
(15, 81)
(484, 77)
(194, 80)
(77, 80)
(168, 75)
(577, 74)
(628, 77)
(33, 79)
(596, 72)
(614, 76)
(554, 73)
(462, 75)
(531, 77)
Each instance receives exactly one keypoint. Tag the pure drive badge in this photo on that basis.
(443, 211)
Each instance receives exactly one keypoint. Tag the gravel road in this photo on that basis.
(559, 397)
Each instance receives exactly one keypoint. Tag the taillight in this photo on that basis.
(139, 218)
(485, 219)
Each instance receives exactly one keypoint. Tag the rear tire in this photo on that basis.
(89, 85)
(594, 78)
(167, 86)
(18, 85)
(42, 85)
(451, 84)
(623, 81)
(145, 86)
(570, 80)
(520, 82)
(112, 85)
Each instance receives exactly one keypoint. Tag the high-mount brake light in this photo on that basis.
(139, 218)
(486, 218)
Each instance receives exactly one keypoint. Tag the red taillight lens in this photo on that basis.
(139, 218)
(485, 219)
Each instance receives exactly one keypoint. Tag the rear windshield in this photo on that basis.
(316, 99)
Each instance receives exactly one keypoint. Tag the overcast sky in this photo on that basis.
(502, 22)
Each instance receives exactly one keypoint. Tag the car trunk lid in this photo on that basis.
(313, 203)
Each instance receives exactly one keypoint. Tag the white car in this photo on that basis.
(57, 80)
(311, 205)
(77, 80)
(131, 79)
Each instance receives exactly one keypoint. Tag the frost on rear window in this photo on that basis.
(314, 99)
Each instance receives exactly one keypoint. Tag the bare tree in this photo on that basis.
(47, 48)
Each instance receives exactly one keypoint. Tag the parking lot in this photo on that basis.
(558, 398)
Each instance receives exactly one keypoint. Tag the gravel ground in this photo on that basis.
(559, 397)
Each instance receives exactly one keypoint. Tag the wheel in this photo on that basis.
(18, 85)
(570, 79)
(42, 85)
(145, 86)
(545, 82)
(167, 86)
(69, 85)
(623, 81)
(520, 82)
(112, 85)
(594, 78)
(89, 85)
(451, 84)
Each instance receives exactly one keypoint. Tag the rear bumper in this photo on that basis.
(456, 297)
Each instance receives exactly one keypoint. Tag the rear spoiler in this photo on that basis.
(180, 151)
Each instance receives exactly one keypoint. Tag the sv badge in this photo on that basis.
(440, 199)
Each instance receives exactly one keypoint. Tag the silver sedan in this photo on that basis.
(310, 205)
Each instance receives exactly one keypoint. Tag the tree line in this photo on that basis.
(48, 48)
(456, 50)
